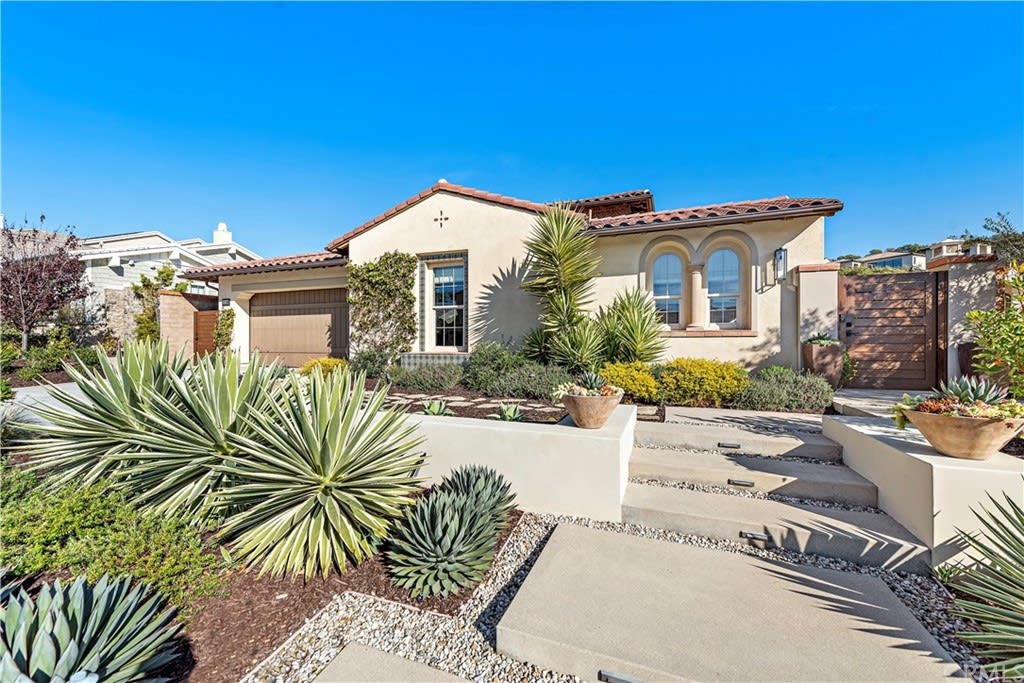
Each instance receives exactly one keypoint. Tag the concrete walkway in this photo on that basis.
(869, 402)
(27, 396)
(360, 663)
(659, 611)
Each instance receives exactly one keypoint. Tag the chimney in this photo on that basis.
(222, 235)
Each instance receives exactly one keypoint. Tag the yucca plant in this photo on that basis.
(437, 407)
(971, 389)
(994, 583)
(110, 632)
(632, 328)
(182, 451)
(90, 435)
(443, 544)
(562, 257)
(320, 477)
(485, 488)
(535, 344)
(508, 412)
(580, 348)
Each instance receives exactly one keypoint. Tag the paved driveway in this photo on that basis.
(27, 396)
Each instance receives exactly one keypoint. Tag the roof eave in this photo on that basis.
(679, 224)
(216, 275)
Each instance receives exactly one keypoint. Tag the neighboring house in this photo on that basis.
(113, 263)
(741, 280)
(888, 259)
(956, 247)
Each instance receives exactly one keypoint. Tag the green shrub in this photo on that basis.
(429, 378)
(370, 363)
(224, 330)
(701, 382)
(323, 365)
(27, 374)
(530, 380)
(112, 630)
(93, 530)
(87, 356)
(442, 545)
(48, 358)
(8, 354)
(999, 334)
(488, 362)
(6, 392)
(778, 388)
(635, 379)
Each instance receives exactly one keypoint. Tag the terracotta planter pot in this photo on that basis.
(590, 412)
(826, 361)
(972, 438)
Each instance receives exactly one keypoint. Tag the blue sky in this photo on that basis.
(295, 122)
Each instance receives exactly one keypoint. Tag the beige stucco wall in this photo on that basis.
(774, 308)
(492, 235)
(972, 286)
(818, 303)
(240, 289)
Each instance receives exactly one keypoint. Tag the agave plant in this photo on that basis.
(443, 544)
(320, 477)
(485, 488)
(632, 328)
(995, 587)
(179, 463)
(508, 412)
(972, 389)
(111, 632)
(592, 381)
(89, 435)
(437, 407)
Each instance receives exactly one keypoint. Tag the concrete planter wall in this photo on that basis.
(558, 469)
(826, 361)
(930, 494)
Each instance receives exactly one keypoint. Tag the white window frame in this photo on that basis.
(737, 295)
(431, 327)
(681, 299)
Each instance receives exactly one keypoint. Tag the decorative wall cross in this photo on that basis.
(441, 218)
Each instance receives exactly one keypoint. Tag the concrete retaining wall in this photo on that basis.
(558, 469)
(930, 494)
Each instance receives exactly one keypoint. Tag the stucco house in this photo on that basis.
(742, 280)
(889, 259)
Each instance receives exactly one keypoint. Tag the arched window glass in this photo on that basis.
(723, 271)
(667, 287)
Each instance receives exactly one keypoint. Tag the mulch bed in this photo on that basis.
(56, 377)
(1015, 447)
(238, 629)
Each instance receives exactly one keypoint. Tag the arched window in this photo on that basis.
(667, 287)
(724, 287)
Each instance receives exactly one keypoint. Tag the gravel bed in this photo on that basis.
(463, 645)
(766, 430)
(640, 443)
(752, 493)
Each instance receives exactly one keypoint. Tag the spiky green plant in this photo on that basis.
(485, 488)
(580, 348)
(535, 344)
(15, 424)
(111, 632)
(592, 381)
(437, 407)
(319, 479)
(6, 392)
(89, 435)
(508, 412)
(994, 584)
(972, 389)
(562, 255)
(184, 447)
(632, 328)
(443, 544)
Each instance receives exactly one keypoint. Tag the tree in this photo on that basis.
(1007, 241)
(874, 251)
(847, 257)
(911, 247)
(39, 274)
(147, 292)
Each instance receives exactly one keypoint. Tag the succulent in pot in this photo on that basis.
(967, 418)
(823, 355)
(590, 401)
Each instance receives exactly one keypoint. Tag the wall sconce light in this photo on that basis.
(781, 264)
(225, 303)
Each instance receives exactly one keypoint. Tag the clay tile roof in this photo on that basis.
(318, 259)
(611, 198)
(439, 186)
(728, 212)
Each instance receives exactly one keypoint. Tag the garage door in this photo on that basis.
(296, 326)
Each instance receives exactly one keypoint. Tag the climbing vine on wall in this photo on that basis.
(382, 306)
(224, 330)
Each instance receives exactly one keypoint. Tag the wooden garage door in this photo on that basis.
(894, 327)
(296, 326)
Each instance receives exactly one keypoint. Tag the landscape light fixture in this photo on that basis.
(781, 264)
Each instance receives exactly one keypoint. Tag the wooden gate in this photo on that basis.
(203, 325)
(894, 327)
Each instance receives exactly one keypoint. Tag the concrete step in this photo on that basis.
(867, 538)
(815, 481)
(715, 436)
